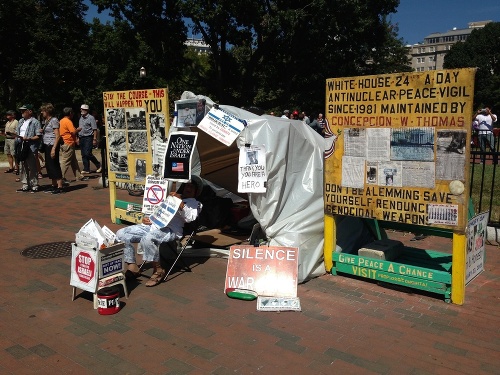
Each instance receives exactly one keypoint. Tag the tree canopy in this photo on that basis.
(270, 54)
(481, 50)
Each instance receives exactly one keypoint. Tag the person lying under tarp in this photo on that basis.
(150, 236)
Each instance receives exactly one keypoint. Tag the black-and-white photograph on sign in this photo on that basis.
(180, 147)
(450, 154)
(115, 118)
(371, 173)
(412, 144)
(389, 174)
(118, 161)
(136, 119)
(117, 141)
(140, 169)
(137, 141)
(157, 126)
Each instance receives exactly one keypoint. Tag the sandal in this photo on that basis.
(10, 170)
(18, 180)
(156, 278)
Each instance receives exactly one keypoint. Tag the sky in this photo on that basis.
(418, 18)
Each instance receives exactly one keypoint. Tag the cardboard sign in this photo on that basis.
(221, 125)
(267, 270)
(177, 165)
(252, 176)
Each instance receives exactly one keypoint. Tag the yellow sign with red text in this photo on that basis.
(398, 145)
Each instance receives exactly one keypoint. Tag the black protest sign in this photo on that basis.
(178, 155)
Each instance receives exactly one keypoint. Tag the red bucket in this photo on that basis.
(108, 300)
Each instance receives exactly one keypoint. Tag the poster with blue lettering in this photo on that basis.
(178, 155)
(221, 125)
(252, 176)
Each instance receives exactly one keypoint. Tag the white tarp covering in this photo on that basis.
(291, 212)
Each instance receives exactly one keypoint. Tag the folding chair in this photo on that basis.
(190, 230)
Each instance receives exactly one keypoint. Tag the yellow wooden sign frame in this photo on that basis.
(421, 114)
(132, 120)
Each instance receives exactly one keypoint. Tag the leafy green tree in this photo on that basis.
(481, 50)
(43, 65)
(153, 35)
(279, 53)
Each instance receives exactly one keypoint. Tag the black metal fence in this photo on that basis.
(484, 177)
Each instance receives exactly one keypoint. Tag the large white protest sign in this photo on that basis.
(221, 125)
(252, 173)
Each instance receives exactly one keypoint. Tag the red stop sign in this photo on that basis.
(84, 267)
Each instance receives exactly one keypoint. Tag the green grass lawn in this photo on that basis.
(486, 197)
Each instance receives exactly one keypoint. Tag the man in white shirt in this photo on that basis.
(484, 121)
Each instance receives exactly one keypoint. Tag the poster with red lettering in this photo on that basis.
(84, 273)
(267, 270)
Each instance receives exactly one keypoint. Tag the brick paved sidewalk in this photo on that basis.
(189, 326)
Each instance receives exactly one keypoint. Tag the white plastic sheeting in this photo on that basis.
(291, 212)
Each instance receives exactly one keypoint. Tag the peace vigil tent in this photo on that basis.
(291, 211)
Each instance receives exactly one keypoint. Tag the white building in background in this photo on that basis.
(198, 45)
(429, 55)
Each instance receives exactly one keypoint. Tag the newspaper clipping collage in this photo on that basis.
(399, 146)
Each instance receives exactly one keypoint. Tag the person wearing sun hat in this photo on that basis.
(150, 236)
(29, 129)
(10, 137)
(88, 139)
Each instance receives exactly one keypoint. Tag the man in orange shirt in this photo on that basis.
(68, 135)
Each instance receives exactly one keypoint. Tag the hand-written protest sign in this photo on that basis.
(221, 125)
(178, 156)
(165, 211)
(154, 193)
(476, 237)
(252, 176)
(395, 144)
(267, 270)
